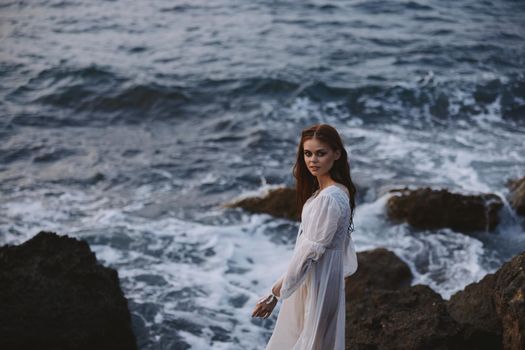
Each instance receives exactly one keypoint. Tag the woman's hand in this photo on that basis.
(262, 309)
(265, 310)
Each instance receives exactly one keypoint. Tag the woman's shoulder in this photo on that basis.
(337, 190)
(335, 195)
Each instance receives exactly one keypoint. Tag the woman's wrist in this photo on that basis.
(272, 298)
(273, 295)
(268, 299)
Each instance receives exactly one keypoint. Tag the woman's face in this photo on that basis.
(319, 157)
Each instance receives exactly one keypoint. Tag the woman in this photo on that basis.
(312, 315)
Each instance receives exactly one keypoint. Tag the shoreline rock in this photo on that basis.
(382, 312)
(377, 268)
(422, 208)
(279, 202)
(409, 318)
(55, 295)
(426, 208)
(494, 307)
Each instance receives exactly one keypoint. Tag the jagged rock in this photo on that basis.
(411, 318)
(494, 308)
(384, 312)
(432, 209)
(280, 202)
(509, 301)
(473, 307)
(378, 269)
(54, 295)
(517, 195)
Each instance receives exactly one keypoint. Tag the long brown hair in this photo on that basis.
(305, 183)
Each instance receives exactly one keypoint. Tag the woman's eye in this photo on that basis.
(309, 154)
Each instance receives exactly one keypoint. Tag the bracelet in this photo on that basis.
(268, 299)
(273, 296)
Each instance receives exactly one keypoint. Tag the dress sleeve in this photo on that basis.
(280, 279)
(318, 232)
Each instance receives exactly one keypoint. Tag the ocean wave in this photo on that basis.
(94, 96)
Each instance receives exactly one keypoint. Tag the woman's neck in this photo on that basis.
(324, 182)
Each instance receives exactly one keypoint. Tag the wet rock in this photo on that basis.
(517, 195)
(384, 312)
(412, 318)
(493, 309)
(509, 301)
(474, 308)
(280, 202)
(377, 269)
(55, 295)
(432, 209)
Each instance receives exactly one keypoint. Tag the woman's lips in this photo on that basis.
(314, 167)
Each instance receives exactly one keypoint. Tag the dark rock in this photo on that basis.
(432, 209)
(517, 195)
(378, 269)
(54, 295)
(384, 312)
(412, 318)
(280, 202)
(494, 308)
(474, 308)
(509, 301)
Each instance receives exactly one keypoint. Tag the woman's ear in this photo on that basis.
(337, 154)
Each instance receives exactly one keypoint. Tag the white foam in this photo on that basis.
(445, 260)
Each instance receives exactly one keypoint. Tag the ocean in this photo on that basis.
(130, 123)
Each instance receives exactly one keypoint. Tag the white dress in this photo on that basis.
(312, 314)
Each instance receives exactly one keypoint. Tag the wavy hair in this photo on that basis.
(306, 183)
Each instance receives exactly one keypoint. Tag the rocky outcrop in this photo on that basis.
(432, 209)
(280, 202)
(383, 312)
(493, 309)
(517, 195)
(473, 307)
(378, 269)
(410, 318)
(54, 295)
(422, 208)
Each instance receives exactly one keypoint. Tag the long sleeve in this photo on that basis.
(280, 279)
(318, 231)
